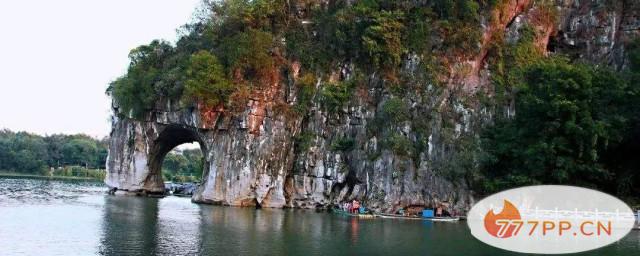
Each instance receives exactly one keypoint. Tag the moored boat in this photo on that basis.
(444, 219)
(398, 216)
(355, 215)
(402, 217)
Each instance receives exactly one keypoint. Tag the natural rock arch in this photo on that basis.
(171, 137)
(248, 157)
(137, 151)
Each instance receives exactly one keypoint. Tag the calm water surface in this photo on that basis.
(43, 217)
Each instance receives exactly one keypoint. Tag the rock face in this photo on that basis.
(597, 30)
(256, 157)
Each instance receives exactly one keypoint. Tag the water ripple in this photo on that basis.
(44, 191)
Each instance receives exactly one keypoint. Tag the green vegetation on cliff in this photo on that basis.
(243, 44)
(572, 124)
(556, 120)
(205, 81)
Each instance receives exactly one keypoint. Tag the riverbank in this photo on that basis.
(5, 174)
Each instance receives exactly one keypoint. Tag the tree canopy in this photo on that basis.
(240, 44)
(569, 118)
(183, 165)
(30, 153)
(205, 80)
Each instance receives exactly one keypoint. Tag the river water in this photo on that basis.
(46, 217)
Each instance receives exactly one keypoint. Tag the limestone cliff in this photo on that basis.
(263, 155)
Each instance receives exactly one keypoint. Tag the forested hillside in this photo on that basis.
(31, 153)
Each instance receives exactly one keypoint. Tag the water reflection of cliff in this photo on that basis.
(240, 230)
(129, 226)
(245, 231)
(173, 226)
(147, 226)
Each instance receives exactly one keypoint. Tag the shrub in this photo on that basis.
(396, 110)
(333, 96)
(400, 145)
(134, 96)
(382, 40)
(343, 144)
(306, 90)
(460, 37)
(304, 141)
(463, 10)
(419, 30)
(460, 162)
(510, 61)
(247, 55)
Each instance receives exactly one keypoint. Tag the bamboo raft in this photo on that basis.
(402, 217)
(444, 219)
(354, 215)
(398, 216)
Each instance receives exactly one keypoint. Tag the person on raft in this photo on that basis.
(355, 206)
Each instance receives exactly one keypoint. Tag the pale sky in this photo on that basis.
(58, 57)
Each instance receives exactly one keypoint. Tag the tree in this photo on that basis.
(396, 110)
(180, 164)
(22, 152)
(247, 55)
(29, 153)
(80, 151)
(135, 92)
(54, 148)
(174, 163)
(101, 153)
(206, 82)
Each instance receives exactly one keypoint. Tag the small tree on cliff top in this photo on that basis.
(206, 82)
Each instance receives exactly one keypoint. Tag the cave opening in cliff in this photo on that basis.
(178, 156)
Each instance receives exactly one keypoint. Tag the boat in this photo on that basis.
(398, 216)
(355, 215)
(428, 214)
(443, 219)
(402, 217)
